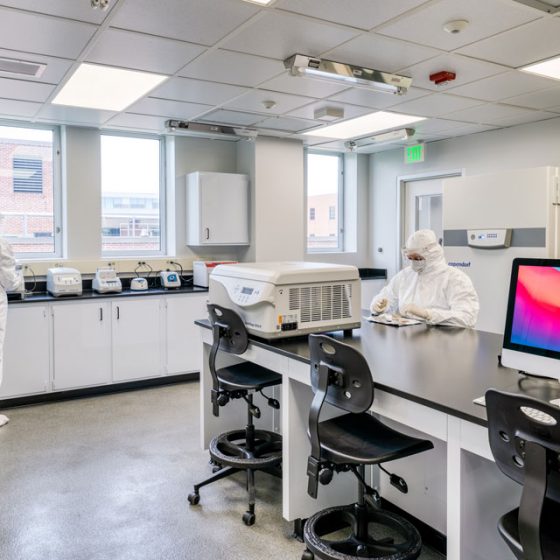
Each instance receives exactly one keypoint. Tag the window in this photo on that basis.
(132, 188)
(30, 190)
(324, 200)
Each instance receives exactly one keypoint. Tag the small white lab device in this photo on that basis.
(19, 292)
(106, 281)
(489, 238)
(170, 279)
(138, 284)
(64, 281)
(203, 269)
(282, 299)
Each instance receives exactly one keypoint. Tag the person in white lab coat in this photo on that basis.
(429, 289)
(10, 281)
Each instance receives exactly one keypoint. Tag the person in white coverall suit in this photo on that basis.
(10, 281)
(429, 289)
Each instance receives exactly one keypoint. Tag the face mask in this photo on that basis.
(418, 266)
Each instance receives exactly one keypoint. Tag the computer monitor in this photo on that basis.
(532, 333)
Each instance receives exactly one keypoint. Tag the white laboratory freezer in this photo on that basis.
(480, 212)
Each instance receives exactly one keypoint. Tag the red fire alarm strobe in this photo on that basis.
(443, 77)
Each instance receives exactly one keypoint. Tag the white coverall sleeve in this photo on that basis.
(462, 300)
(9, 279)
(391, 293)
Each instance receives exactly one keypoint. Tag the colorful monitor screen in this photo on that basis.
(533, 317)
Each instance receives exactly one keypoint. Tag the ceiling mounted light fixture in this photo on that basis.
(398, 135)
(261, 2)
(548, 68)
(207, 130)
(340, 72)
(547, 6)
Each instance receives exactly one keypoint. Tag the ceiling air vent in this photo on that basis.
(21, 67)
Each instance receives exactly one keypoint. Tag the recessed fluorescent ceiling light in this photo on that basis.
(548, 68)
(107, 88)
(261, 2)
(360, 126)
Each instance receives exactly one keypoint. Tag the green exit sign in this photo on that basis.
(414, 154)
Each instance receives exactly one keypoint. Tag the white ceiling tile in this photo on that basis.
(12, 108)
(279, 36)
(466, 69)
(308, 112)
(299, 85)
(529, 116)
(33, 33)
(196, 91)
(128, 49)
(436, 126)
(543, 99)
(336, 146)
(364, 14)
(469, 129)
(253, 101)
(530, 43)
(435, 105)
(70, 9)
(502, 86)
(195, 21)
(222, 116)
(485, 17)
(376, 100)
(382, 53)
(54, 72)
(554, 109)
(24, 90)
(286, 124)
(73, 115)
(137, 122)
(165, 108)
(491, 113)
(233, 68)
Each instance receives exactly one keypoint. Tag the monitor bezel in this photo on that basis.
(508, 344)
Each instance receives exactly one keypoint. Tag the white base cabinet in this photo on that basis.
(26, 351)
(63, 345)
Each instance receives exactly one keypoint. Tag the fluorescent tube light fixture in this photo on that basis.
(365, 125)
(261, 2)
(106, 88)
(398, 135)
(208, 130)
(547, 6)
(303, 65)
(549, 68)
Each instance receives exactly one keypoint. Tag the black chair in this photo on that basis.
(341, 377)
(247, 449)
(524, 435)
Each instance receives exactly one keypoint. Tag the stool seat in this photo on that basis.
(363, 439)
(247, 376)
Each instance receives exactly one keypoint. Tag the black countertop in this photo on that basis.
(444, 368)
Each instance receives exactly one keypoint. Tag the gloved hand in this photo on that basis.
(380, 306)
(416, 312)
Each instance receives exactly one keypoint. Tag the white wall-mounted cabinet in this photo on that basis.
(65, 345)
(26, 351)
(217, 208)
(81, 344)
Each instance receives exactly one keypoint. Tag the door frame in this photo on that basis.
(401, 199)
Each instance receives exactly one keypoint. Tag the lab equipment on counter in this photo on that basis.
(19, 293)
(203, 269)
(170, 279)
(106, 281)
(532, 332)
(138, 284)
(488, 220)
(281, 299)
(64, 281)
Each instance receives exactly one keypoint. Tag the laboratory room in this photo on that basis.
(279, 279)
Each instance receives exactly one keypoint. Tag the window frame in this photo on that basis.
(162, 251)
(340, 247)
(57, 191)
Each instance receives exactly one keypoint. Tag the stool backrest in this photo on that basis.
(350, 384)
(229, 328)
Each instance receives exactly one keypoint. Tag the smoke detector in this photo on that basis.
(269, 104)
(456, 26)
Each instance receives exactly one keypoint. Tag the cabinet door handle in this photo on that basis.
(207, 233)
(101, 313)
(118, 312)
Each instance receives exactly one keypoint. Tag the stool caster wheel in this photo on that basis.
(361, 550)
(194, 498)
(249, 518)
(307, 555)
(216, 468)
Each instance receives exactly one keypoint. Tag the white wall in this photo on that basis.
(531, 145)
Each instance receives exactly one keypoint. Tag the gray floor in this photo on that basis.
(106, 478)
